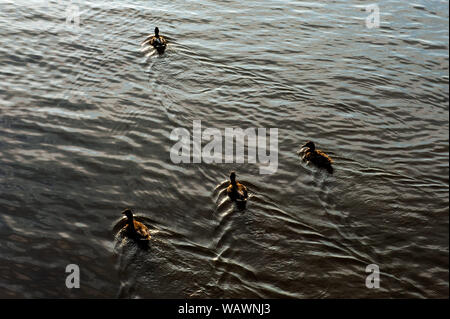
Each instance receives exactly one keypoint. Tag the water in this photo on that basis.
(85, 123)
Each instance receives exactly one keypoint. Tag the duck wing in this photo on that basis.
(158, 42)
(324, 157)
(242, 191)
(230, 189)
(162, 40)
(148, 40)
(238, 192)
(142, 230)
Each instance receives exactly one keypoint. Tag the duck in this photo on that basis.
(309, 154)
(135, 229)
(236, 191)
(157, 41)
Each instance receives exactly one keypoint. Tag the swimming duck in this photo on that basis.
(157, 41)
(309, 154)
(135, 229)
(236, 191)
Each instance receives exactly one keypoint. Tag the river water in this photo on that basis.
(86, 115)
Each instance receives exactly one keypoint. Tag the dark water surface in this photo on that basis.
(85, 123)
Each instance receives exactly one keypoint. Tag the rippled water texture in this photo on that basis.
(85, 123)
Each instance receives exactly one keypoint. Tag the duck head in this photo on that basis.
(233, 177)
(156, 32)
(127, 212)
(310, 145)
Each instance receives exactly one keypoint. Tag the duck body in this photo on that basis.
(135, 229)
(236, 191)
(309, 154)
(158, 42)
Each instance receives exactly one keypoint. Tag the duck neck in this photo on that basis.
(131, 222)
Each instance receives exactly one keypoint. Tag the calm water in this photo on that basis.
(85, 123)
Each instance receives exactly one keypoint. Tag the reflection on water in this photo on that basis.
(85, 121)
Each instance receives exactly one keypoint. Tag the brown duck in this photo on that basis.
(135, 229)
(309, 154)
(157, 41)
(236, 191)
